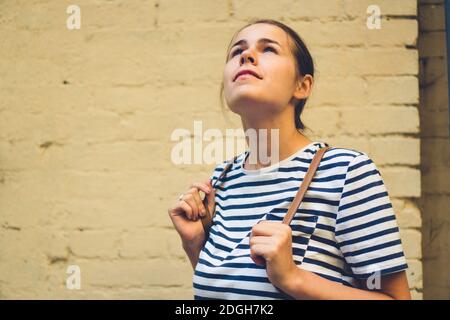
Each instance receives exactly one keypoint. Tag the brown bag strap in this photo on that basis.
(207, 219)
(304, 185)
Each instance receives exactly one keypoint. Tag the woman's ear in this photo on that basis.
(304, 87)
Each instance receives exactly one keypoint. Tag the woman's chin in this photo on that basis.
(252, 108)
(247, 99)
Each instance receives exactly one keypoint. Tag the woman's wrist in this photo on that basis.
(192, 244)
(193, 252)
(292, 282)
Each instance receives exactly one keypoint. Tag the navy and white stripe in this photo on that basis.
(344, 229)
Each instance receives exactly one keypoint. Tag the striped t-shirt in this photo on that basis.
(344, 229)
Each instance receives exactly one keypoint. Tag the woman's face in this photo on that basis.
(263, 49)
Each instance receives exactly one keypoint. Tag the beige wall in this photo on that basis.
(435, 150)
(86, 117)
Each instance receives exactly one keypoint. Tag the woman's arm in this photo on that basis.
(303, 284)
(193, 252)
(271, 246)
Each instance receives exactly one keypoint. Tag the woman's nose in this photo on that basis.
(247, 56)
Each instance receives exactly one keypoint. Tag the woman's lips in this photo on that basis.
(245, 71)
(245, 76)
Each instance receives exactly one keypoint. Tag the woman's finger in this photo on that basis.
(189, 198)
(257, 253)
(186, 208)
(254, 240)
(199, 203)
(201, 186)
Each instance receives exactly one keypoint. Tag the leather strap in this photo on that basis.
(207, 219)
(304, 185)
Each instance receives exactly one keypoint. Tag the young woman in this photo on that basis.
(343, 242)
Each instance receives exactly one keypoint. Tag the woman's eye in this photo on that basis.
(235, 52)
(270, 49)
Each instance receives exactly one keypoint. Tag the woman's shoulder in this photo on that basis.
(349, 159)
(338, 153)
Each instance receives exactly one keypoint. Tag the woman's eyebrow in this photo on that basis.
(262, 40)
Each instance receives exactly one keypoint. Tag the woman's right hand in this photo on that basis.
(187, 212)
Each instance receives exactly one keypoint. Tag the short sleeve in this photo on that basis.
(366, 227)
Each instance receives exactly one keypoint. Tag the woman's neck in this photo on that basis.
(280, 141)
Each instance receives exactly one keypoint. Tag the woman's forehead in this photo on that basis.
(262, 30)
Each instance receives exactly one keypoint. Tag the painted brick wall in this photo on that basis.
(86, 118)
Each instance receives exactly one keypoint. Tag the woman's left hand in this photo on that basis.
(271, 245)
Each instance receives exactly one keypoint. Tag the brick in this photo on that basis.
(176, 11)
(305, 9)
(110, 156)
(37, 187)
(95, 244)
(393, 32)
(411, 241)
(416, 295)
(51, 15)
(321, 120)
(377, 61)
(280, 10)
(30, 72)
(414, 274)
(393, 90)
(343, 141)
(316, 33)
(151, 243)
(136, 273)
(408, 214)
(329, 90)
(201, 69)
(153, 293)
(110, 15)
(79, 200)
(191, 39)
(358, 8)
(61, 46)
(35, 16)
(25, 255)
(395, 150)
(402, 181)
(378, 120)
